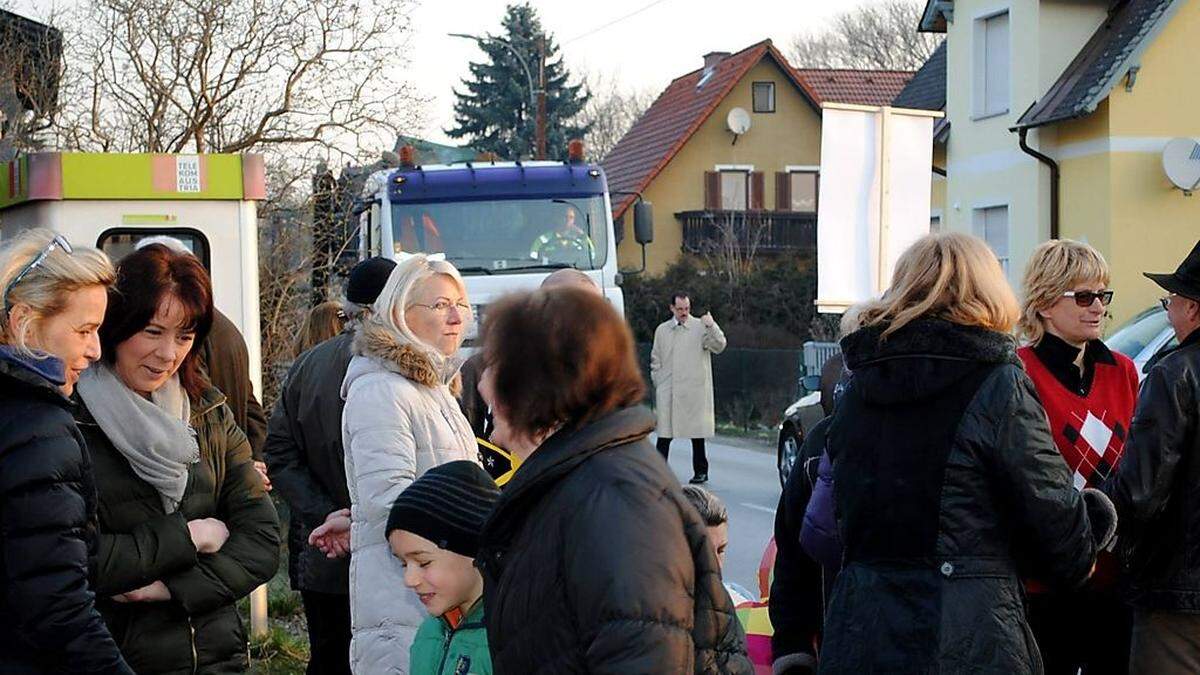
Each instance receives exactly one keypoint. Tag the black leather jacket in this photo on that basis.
(1156, 487)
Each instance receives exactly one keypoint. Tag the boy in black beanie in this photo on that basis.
(433, 529)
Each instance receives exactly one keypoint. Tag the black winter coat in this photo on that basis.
(198, 630)
(594, 561)
(798, 586)
(947, 484)
(1156, 487)
(305, 460)
(47, 533)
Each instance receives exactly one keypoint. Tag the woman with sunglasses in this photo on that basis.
(1089, 393)
(400, 420)
(54, 301)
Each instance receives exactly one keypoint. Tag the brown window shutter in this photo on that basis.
(712, 190)
(783, 191)
(757, 189)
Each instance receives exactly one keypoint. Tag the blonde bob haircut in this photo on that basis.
(950, 276)
(396, 297)
(47, 288)
(1056, 267)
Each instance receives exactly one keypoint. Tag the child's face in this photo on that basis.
(442, 579)
(719, 536)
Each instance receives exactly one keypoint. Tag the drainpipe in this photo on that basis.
(1053, 179)
(939, 170)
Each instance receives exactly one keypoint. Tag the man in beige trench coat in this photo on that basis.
(681, 369)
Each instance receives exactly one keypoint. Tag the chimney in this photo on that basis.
(711, 59)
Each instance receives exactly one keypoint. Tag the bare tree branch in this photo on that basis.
(877, 36)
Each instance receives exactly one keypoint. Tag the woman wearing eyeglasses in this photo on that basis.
(186, 526)
(400, 420)
(1089, 393)
(54, 301)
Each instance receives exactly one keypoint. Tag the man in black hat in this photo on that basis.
(305, 459)
(1156, 489)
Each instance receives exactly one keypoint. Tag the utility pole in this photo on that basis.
(541, 99)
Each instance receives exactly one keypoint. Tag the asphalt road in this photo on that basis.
(743, 474)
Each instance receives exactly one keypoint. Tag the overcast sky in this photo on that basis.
(650, 43)
(645, 51)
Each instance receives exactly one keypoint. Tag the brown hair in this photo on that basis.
(144, 278)
(560, 357)
(951, 276)
(323, 322)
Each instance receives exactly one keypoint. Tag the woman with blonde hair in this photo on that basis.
(1089, 393)
(400, 420)
(54, 302)
(946, 479)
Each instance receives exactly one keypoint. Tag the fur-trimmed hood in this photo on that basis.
(922, 358)
(389, 351)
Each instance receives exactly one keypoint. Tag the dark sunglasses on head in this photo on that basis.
(58, 241)
(1086, 298)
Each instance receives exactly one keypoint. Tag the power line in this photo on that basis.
(614, 21)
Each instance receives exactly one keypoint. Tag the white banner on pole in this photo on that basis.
(876, 173)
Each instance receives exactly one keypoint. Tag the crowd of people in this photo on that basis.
(968, 505)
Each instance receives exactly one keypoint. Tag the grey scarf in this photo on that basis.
(154, 436)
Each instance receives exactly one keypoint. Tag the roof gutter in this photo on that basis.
(1054, 178)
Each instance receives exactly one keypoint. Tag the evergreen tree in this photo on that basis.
(496, 113)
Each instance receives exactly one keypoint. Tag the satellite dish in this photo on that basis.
(1181, 162)
(738, 121)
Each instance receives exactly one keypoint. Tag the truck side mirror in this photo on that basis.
(643, 222)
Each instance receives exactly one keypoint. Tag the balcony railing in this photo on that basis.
(765, 231)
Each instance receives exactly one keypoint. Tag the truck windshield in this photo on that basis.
(486, 237)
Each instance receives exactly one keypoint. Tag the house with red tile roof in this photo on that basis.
(709, 186)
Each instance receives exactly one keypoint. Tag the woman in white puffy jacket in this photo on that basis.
(401, 419)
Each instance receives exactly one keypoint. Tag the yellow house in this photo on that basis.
(736, 142)
(1059, 111)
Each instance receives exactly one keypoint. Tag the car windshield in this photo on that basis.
(506, 235)
(1133, 337)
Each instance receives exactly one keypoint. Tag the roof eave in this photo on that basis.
(936, 15)
(1122, 70)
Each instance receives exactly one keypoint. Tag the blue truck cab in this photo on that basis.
(505, 225)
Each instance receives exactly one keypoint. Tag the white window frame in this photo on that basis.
(774, 96)
(745, 168)
(978, 215)
(979, 59)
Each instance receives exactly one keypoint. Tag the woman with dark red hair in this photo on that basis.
(186, 526)
(593, 560)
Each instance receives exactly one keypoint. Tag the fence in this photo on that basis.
(817, 353)
(750, 386)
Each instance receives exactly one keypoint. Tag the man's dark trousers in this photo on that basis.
(328, 632)
(699, 458)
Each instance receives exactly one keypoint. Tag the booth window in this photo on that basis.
(120, 241)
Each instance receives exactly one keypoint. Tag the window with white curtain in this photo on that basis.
(993, 65)
(991, 225)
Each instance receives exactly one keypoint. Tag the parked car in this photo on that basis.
(1144, 338)
(797, 420)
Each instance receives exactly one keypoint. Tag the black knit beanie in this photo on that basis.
(447, 505)
(367, 280)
